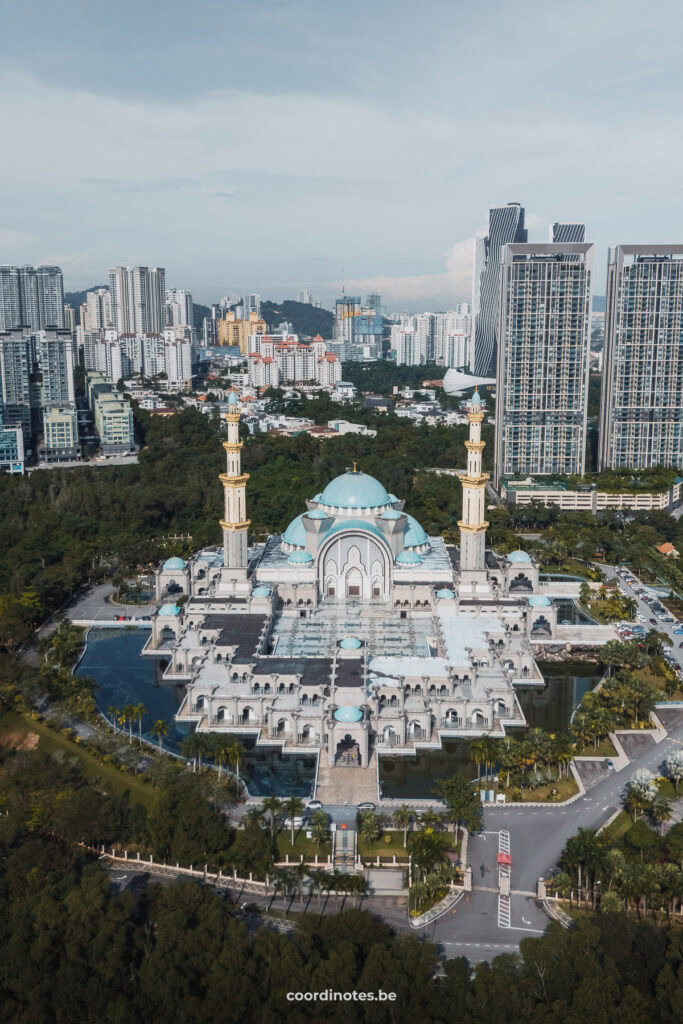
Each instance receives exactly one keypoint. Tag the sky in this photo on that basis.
(270, 145)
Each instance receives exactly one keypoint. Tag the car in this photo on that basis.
(667, 618)
(653, 621)
(367, 806)
(314, 805)
(610, 765)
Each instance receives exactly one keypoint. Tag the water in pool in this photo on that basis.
(124, 677)
(549, 708)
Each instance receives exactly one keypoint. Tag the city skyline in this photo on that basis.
(296, 209)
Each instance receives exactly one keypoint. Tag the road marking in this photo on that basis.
(503, 911)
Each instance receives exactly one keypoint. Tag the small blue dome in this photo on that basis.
(414, 535)
(445, 594)
(393, 498)
(518, 556)
(539, 601)
(392, 513)
(348, 714)
(408, 558)
(300, 558)
(295, 533)
(233, 399)
(318, 513)
(476, 400)
(261, 592)
(169, 609)
(355, 490)
(350, 643)
(175, 563)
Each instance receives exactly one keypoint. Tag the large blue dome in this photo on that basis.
(518, 556)
(414, 535)
(354, 490)
(295, 533)
(175, 563)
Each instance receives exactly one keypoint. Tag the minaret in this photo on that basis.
(473, 525)
(235, 524)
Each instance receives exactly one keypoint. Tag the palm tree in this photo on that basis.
(271, 805)
(369, 827)
(293, 806)
(129, 714)
(490, 749)
(431, 819)
(188, 748)
(221, 751)
(113, 714)
(159, 729)
(478, 755)
(402, 817)
(236, 756)
(140, 712)
(661, 811)
(321, 829)
(428, 850)
(509, 757)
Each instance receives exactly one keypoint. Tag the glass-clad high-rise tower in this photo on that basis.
(506, 224)
(641, 418)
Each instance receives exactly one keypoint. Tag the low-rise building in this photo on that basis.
(588, 497)
(112, 413)
(12, 449)
(60, 435)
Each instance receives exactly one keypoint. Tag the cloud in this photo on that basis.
(446, 288)
(144, 184)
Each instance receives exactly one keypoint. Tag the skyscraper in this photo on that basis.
(31, 297)
(544, 340)
(561, 233)
(179, 308)
(506, 224)
(16, 370)
(138, 299)
(98, 310)
(641, 419)
(54, 351)
(358, 329)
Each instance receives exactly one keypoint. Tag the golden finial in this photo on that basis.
(355, 468)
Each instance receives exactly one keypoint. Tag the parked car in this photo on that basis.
(314, 805)
(367, 806)
(610, 765)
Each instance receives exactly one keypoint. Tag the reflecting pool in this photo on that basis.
(123, 677)
(549, 708)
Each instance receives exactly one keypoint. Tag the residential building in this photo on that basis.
(282, 359)
(232, 331)
(112, 414)
(70, 318)
(60, 435)
(358, 328)
(54, 354)
(641, 418)
(544, 341)
(443, 338)
(11, 450)
(138, 299)
(31, 297)
(251, 305)
(18, 392)
(561, 233)
(97, 314)
(179, 308)
(506, 224)
(304, 296)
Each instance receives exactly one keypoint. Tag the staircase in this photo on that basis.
(344, 850)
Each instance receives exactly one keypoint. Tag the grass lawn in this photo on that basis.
(565, 788)
(620, 825)
(382, 849)
(605, 749)
(302, 845)
(112, 780)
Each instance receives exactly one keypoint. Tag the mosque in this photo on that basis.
(354, 633)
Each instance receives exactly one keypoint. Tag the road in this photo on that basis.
(537, 838)
(94, 604)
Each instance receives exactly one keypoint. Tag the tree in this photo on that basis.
(128, 716)
(113, 714)
(189, 748)
(462, 802)
(272, 806)
(673, 766)
(585, 594)
(294, 807)
(369, 827)
(402, 817)
(611, 903)
(583, 851)
(641, 837)
(478, 755)
(655, 641)
(221, 751)
(661, 811)
(160, 729)
(236, 756)
(321, 827)
(140, 711)
(428, 850)
(641, 790)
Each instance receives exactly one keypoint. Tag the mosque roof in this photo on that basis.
(175, 563)
(518, 556)
(169, 609)
(233, 399)
(391, 513)
(300, 557)
(414, 535)
(445, 594)
(539, 601)
(295, 533)
(408, 558)
(317, 513)
(356, 524)
(355, 490)
(350, 643)
(261, 592)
